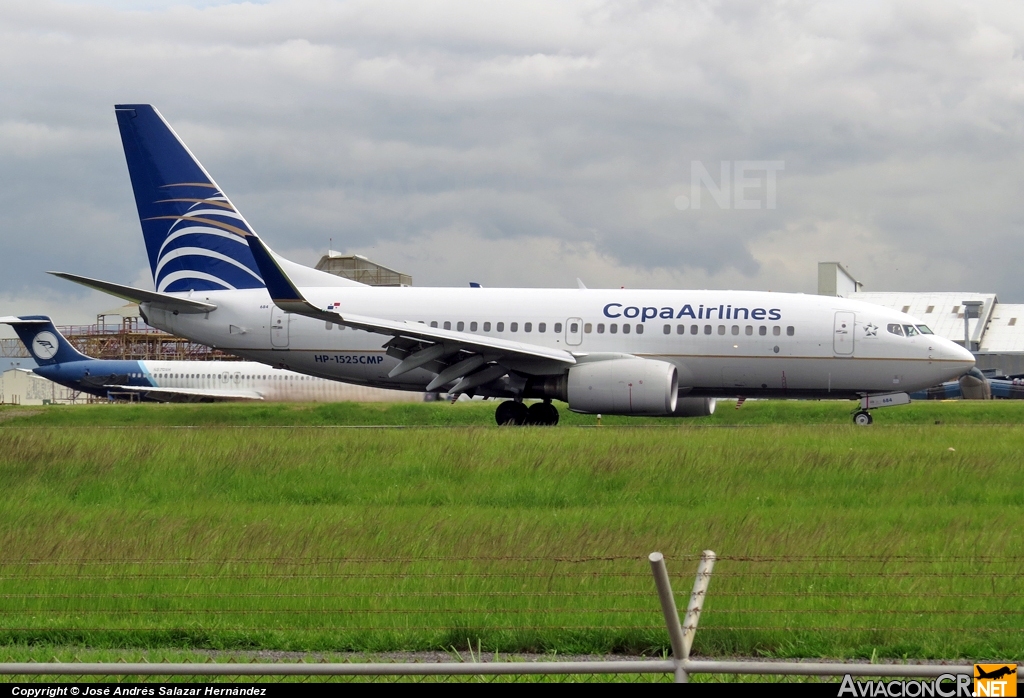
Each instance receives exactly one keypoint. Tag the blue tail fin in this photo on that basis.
(194, 235)
(43, 341)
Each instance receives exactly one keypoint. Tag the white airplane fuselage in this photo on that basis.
(723, 343)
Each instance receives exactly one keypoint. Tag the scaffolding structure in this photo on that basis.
(134, 340)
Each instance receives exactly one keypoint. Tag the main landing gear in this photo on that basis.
(516, 413)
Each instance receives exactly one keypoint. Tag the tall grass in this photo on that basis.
(522, 539)
(481, 413)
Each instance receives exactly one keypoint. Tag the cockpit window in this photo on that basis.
(924, 329)
(895, 329)
(911, 330)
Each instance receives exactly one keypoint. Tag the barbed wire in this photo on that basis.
(305, 561)
(505, 575)
(504, 628)
(324, 575)
(503, 594)
(330, 628)
(329, 560)
(485, 611)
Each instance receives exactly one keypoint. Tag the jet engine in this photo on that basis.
(623, 386)
(974, 386)
(694, 407)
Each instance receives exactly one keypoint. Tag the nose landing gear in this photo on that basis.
(512, 413)
(862, 419)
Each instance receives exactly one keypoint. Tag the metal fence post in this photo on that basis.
(668, 610)
(681, 635)
(700, 590)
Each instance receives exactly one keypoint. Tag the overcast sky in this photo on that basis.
(530, 143)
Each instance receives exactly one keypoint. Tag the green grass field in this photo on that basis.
(481, 413)
(898, 540)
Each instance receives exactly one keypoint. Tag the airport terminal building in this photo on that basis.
(994, 330)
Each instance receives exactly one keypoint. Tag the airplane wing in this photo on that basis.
(185, 394)
(475, 359)
(129, 293)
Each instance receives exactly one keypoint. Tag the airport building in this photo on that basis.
(994, 331)
(359, 268)
(19, 386)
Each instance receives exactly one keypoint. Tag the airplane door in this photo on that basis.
(842, 335)
(279, 321)
(573, 331)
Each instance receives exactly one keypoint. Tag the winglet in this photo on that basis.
(283, 291)
(579, 282)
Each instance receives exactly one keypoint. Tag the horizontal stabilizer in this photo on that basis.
(15, 320)
(129, 293)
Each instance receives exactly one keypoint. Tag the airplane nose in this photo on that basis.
(957, 355)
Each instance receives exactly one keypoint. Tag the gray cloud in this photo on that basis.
(527, 143)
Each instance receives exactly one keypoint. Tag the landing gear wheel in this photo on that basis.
(862, 419)
(543, 414)
(511, 413)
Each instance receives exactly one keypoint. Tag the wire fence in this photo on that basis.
(343, 610)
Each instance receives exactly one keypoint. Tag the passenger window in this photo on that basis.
(721, 329)
(500, 327)
(513, 327)
(776, 330)
(625, 328)
(433, 323)
(587, 328)
(735, 329)
(447, 324)
(668, 329)
(613, 328)
(693, 329)
(472, 327)
(790, 331)
(461, 326)
(542, 327)
(574, 327)
(329, 325)
(750, 330)
(707, 329)
(639, 329)
(600, 328)
(527, 327)
(680, 329)
(895, 329)
(911, 332)
(487, 327)
(558, 328)
(762, 330)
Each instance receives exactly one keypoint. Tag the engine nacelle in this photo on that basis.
(694, 407)
(623, 386)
